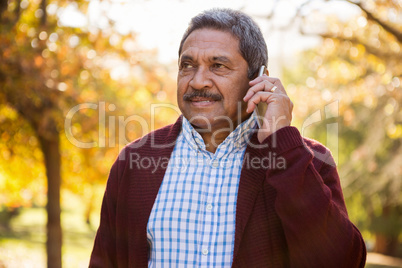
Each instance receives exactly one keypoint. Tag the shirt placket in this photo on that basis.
(209, 225)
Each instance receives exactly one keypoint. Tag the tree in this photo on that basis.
(47, 69)
(359, 64)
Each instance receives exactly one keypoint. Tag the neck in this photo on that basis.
(213, 139)
(216, 135)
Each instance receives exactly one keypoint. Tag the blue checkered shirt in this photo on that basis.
(192, 222)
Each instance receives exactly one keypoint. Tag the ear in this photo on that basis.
(267, 72)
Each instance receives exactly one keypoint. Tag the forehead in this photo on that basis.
(211, 41)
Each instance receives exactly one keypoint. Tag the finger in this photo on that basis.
(258, 79)
(273, 81)
(263, 85)
(266, 97)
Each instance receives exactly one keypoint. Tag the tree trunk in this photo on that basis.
(386, 244)
(89, 209)
(51, 152)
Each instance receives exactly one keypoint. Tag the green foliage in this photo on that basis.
(47, 69)
(358, 64)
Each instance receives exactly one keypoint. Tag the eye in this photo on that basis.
(219, 66)
(186, 65)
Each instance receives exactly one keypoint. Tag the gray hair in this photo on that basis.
(252, 45)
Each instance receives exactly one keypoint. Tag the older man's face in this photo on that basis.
(212, 80)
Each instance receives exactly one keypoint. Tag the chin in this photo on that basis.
(200, 121)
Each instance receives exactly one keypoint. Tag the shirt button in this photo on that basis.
(205, 251)
(209, 207)
(215, 163)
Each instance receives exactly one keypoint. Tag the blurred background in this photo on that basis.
(80, 79)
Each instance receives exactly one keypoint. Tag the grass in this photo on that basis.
(25, 244)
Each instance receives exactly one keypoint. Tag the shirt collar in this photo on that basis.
(236, 139)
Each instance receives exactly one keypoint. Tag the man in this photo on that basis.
(217, 190)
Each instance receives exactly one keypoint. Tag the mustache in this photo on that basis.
(201, 94)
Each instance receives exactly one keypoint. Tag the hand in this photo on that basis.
(279, 110)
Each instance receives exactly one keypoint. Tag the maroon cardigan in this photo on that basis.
(293, 217)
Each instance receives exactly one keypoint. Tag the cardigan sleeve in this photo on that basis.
(104, 251)
(311, 207)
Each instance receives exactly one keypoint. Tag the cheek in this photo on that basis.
(236, 95)
(182, 82)
(243, 88)
(180, 88)
(238, 91)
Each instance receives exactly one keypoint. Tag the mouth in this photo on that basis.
(201, 99)
(201, 102)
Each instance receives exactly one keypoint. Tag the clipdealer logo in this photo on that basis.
(330, 111)
(122, 123)
(141, 162)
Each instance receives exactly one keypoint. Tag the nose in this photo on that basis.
(201, 79)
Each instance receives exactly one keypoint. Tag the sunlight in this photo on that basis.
(159, 24)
